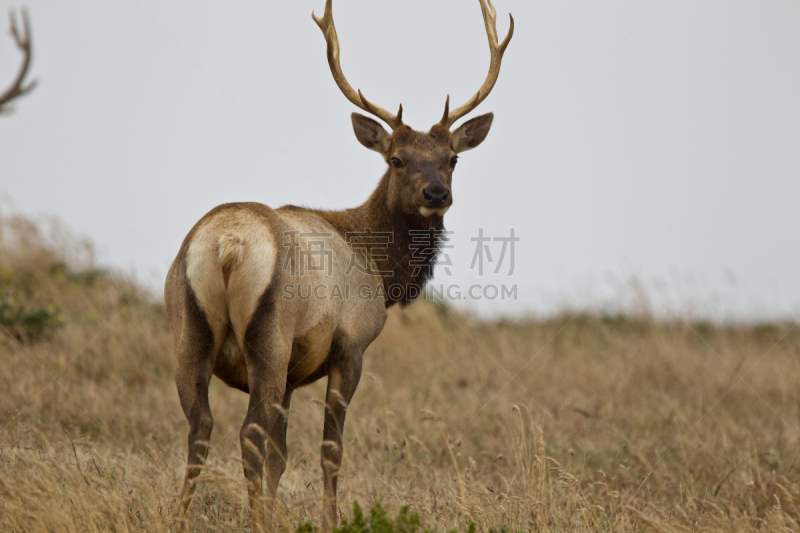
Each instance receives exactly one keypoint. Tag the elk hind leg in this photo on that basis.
(193, 374)
(267, 366)
(276, 451)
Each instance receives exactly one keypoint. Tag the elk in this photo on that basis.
(23, 42)
(234, 292)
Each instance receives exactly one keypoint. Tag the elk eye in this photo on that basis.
(453, 161)
(396, 163)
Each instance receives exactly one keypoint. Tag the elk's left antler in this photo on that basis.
(497, 50)
(23, 40)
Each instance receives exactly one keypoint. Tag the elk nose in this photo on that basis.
(436, 196)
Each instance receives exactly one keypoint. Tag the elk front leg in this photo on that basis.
(266, 374)
(342, 382)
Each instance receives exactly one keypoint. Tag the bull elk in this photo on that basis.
(23, 42)
(235, 314)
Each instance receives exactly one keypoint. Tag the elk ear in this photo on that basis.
(371, 134)
(471, 133)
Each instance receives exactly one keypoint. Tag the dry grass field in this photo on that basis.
(572, 424)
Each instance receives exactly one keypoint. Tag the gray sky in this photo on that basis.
(653, 140)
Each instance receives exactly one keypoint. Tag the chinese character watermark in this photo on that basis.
(426, 250)
(482, 250)
(314, 257)
(369, 242)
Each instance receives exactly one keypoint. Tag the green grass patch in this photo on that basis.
(377, 521)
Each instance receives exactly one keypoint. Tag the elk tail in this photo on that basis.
(231, 252)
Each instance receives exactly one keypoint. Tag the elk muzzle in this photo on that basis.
(436, 200)
(436, 197)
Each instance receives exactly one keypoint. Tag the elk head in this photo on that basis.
(420, 164)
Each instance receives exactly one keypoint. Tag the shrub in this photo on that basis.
(28, 324)
(378, 522)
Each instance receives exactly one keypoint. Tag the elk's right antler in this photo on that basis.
(325, 23)
(497, 50)
(22, 38)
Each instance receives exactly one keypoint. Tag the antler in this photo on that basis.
(497, 50)
(325, 23)
(23, 43)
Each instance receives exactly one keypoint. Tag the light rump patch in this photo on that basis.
(202, 273)
(231, 252)
(250, 279)
(240, 247)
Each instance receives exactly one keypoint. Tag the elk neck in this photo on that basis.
(409, 244)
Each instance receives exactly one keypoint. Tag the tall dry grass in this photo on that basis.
(572, 424)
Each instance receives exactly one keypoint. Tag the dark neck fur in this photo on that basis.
(410, 256)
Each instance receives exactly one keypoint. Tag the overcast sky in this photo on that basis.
(651, 144)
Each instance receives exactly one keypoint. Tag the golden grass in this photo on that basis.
(570, 424)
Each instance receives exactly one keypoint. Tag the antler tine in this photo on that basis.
(328, 28)
(23, 42)
(446, 111)
(497, 50)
